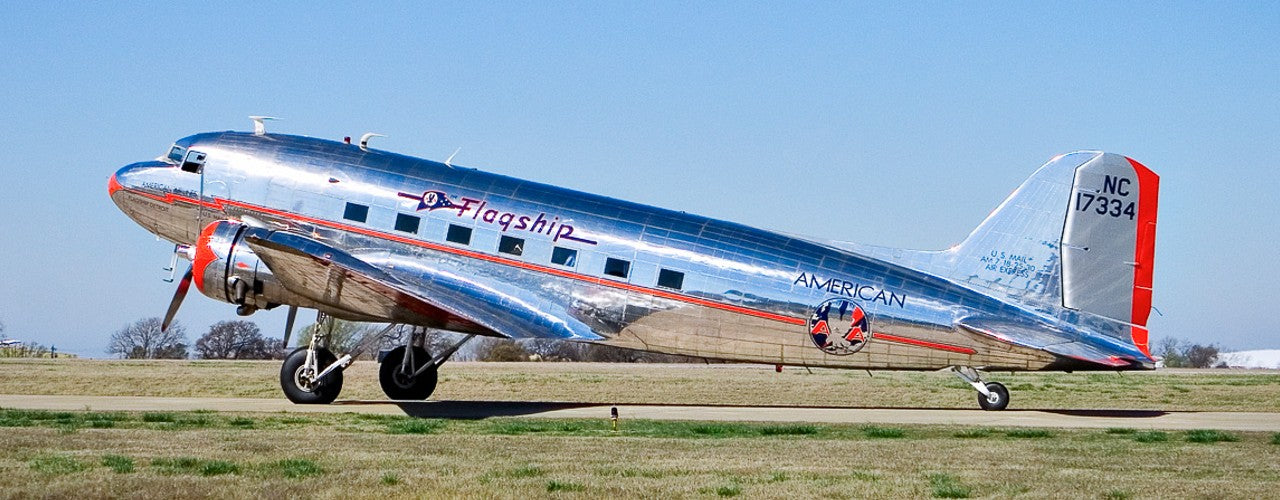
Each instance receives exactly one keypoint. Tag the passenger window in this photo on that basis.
(356, 212)
(670, 279)
(617, 267)
(511, 245)
(459, 234)
(567, 257)
(194, 162)
(407, 223)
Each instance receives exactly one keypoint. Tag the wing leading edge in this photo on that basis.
(424, 296)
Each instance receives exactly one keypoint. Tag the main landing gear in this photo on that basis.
(313, 374)
(991, 395)
(408, 372)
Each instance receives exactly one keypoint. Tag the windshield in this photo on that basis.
(176, 153)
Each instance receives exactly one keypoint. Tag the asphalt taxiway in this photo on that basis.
(1137, 419)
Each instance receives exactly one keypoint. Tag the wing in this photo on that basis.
(408, 290)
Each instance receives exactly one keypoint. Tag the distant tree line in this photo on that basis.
(29, 350)
(224, 340)
(243, 340)
(346, 337)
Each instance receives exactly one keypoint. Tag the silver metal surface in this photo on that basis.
(322, 232)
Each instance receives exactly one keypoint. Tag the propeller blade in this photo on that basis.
(288, 325)
(178, 295)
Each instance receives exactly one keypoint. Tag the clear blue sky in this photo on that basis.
(892, 123)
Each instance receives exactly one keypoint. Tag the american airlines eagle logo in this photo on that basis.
(430, 200)
(840, 327)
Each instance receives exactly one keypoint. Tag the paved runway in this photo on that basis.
(1138, 419)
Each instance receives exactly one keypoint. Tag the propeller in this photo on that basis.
(288, 325)
(178, 295)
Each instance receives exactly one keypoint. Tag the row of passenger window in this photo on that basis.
(511, 245)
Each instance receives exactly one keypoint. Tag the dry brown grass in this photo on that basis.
(357, 456)
(1215, 390)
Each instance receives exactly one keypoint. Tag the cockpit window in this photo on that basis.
(175, 153)
(194, 162)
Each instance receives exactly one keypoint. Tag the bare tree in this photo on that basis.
(236, 340)
(1201, 356)
(438, 341)
(143, 339)
(1170, 350)
(1178, 353)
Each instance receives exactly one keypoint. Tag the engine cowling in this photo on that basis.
(225, 268)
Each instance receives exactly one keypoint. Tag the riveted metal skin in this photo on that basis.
(324, 210)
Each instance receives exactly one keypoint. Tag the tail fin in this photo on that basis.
(1079, 233)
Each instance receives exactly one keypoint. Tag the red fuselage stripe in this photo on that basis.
(924, 343)
(218, 204)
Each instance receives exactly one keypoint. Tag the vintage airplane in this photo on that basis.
(1057, 278)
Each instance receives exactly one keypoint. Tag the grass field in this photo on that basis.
(208, 454)
(195, 454)
(1216, 390)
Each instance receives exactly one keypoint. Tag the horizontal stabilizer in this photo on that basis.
(1051, 339)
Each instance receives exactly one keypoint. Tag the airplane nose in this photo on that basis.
(113, 185)
(126, 177)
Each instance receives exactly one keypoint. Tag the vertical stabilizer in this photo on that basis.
(1016, 251)
(1079, 233)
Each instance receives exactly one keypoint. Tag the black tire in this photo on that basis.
(398, 386)
(998, 399)
(321, 393)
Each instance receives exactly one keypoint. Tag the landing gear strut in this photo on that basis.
(991, 395)
(409, 371)
(312, 374)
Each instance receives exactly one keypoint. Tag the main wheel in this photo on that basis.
(399, 385)
(998, 399)
(294, 375)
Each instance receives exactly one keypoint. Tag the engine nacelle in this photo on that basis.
(227, 269)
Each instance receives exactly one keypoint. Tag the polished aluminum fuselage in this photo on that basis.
(747, 294)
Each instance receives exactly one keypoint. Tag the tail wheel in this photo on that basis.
(998, 398)
(397, 384)
(295, 378)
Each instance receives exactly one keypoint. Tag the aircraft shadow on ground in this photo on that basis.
(483, 409)
(486, 409)
(1109, 413)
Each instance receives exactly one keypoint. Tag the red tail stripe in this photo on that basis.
(1144, 253)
